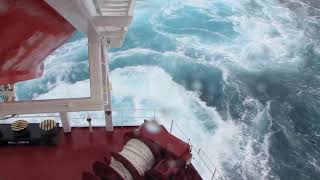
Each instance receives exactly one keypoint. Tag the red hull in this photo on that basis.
(74, 154)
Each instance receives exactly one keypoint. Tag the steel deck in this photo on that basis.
(74, 154)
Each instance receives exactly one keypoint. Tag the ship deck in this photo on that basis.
(74, 154)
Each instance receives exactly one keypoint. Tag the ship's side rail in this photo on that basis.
(133, 117)
(201, 160)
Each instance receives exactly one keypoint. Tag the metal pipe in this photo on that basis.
(65, 122)
(171, 126)
(89, 119)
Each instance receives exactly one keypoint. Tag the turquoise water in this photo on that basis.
(241, 76)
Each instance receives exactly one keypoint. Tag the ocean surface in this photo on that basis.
(241, 77)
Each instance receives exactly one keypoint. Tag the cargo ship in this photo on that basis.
(37, 140)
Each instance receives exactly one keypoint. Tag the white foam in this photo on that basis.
(151, 87)
(267, 38)
(230, 143)
(64, 90)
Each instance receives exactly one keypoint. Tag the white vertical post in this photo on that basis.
(171, 126)
(122, 123)
(94, 48)
(97, 54)
(89, 119)
(90, 127)
(65, 122)
(106, 87)
(213, 174)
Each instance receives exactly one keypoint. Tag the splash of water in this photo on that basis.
(242, 76)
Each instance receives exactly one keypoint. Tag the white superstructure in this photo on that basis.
(105, 22)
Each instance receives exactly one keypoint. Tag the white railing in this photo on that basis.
(133, 117)
(201, 159)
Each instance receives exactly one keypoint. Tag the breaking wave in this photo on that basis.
(243, 77)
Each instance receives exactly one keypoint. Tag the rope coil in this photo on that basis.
(121, 170)
(139, 155)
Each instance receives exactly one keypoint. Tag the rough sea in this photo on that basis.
(240, 77)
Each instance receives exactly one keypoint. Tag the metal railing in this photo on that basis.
(205, 166)
(124, 117)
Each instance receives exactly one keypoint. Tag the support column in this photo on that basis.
(106, 87)
(65, 122)
(94, 52)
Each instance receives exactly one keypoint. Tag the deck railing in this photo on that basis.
(201, 160)
(133, 117)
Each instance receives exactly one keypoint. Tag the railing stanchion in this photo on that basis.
(121, 118)
(213, 174)
(200, 156)
(171, 126)
(89, 119)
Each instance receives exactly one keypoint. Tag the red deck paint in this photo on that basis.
(29, 31)
(74, 154)
(169, 142)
